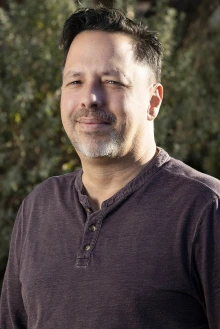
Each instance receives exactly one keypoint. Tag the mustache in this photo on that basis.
(109, 117)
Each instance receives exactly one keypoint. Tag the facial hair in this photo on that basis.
(98, 143)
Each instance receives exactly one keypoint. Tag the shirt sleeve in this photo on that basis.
(12, 311)
(206, 262)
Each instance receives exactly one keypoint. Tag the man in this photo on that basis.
(131, 241)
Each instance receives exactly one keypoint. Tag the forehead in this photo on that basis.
(102, 40)
(102, 47)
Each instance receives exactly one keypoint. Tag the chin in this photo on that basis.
(107, 150)
(96, 153)
(99, 146)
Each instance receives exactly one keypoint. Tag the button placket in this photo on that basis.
(91, 232)
(87, 245)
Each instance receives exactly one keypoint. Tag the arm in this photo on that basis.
(206, 262)
(12, 312)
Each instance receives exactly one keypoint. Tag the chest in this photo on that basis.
(126, 262)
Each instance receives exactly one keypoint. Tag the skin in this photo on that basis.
(108, 104)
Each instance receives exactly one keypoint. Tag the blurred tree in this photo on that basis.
(188, 125)
(107, 3)
(33, 144)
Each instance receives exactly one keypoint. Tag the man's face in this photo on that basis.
(106, 96)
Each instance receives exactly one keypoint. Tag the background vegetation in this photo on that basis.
(32, 141)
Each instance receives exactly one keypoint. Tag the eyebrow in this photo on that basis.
(74, 74)
(113, 72)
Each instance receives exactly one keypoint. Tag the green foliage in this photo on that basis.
(189, 121)
(33, 144)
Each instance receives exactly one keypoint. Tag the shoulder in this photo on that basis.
(53, 187)
(191, 179)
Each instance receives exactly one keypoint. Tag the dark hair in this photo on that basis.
(147, 47)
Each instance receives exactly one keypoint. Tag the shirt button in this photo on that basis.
(89, 210)
(92, 228)
(87, 247)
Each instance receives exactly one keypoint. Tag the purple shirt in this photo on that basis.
(149, 259)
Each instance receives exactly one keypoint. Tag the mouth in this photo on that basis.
(87, 120)
(93, 123)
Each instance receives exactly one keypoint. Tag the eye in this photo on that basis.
(75, 82)
(113, 82)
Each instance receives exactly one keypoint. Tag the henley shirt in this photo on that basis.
(149, 259)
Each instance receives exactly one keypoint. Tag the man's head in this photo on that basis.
(110, 94)
(147, 48)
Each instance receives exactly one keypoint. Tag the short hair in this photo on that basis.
(146, 46)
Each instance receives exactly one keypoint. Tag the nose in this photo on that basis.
(93, 97)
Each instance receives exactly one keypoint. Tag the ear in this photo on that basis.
(155, 102)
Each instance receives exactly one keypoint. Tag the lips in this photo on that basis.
(90, 124)
(92, 121)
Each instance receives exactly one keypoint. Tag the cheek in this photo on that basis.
(125, 114)
(66, 108)
(136, 109)
(67, 105)
(69, 100)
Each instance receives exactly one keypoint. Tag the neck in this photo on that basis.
(103, 177)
